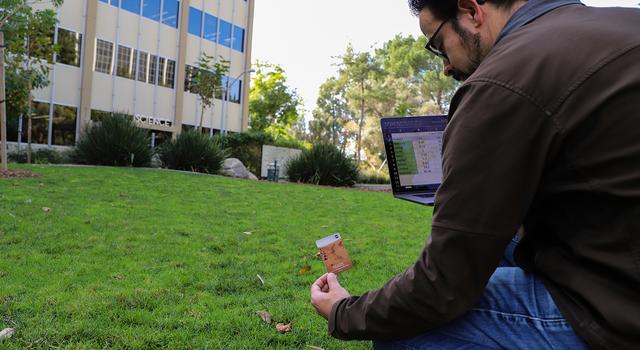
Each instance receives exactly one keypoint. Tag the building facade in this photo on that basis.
(136, 57)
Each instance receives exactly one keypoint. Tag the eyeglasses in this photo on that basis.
(430, 45)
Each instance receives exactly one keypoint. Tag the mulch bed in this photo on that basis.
(17, 173)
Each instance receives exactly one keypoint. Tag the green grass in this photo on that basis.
(142, 259)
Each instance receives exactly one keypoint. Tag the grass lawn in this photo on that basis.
(142, 258)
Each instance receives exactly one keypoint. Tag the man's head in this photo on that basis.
(462, 32)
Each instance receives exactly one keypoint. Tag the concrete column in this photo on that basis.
(247, 64)
(181, 64)
(89, 44)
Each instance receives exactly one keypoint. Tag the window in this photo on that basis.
(142, 66)
(105, 1)
(151, 9)
(190, 72)
(131, 6)
(64, 125)
(40, 122)
(104, 56)
(70, 44)
(125, 67)
(170, 73)
(153, 69)
(234, 91)
(238, 39)
(98, 115)
(166, 72)
(195, 21)
(210, 27)
(170, 13)
(115, 3)
(225, 33)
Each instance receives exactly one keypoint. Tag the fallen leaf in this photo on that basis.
(265, 316)
(247, 232)
(260, 278)
(46, 210)
(283, 328)
(304, 270)
(314, 347)
(7, 333)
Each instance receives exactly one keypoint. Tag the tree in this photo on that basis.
(331, 116)
(360, 70)
(274, 107)
(206, 81)
(29, 48)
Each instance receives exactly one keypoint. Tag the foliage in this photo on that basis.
(41, 156)
(207, 81)
(399, 78)
(361, 70)
(273, 106)
(247, 147)
(193, 151)
(116, 141)
(331, 118)
(323, 164)
(126, 259)
(373, 176)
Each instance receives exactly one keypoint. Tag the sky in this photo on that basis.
(304, 36)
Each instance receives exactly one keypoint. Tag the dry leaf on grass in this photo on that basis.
(46, 210)
(247, 233)
(261, 279)
(283, 328)
(7, 333)
(314, 347)
(265, 316)
(304, 270)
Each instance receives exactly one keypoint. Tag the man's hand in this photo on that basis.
(325, 292)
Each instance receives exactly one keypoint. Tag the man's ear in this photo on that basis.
(471, 11)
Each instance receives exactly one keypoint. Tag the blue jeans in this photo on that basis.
(515, 312)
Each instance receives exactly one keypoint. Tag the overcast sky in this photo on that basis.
(303, 36)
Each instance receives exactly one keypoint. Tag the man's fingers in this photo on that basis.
(332, 281)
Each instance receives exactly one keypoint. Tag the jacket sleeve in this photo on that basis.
(494, 151)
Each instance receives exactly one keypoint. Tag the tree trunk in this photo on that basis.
(360, 124)
(29, 137)
(201, 117)
(3, 110)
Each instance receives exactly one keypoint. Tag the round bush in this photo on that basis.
(193, 151)
(115, 140)
(323, 164)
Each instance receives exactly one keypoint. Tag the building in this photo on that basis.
(136, 56)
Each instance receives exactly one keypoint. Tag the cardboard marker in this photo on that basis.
(333, 253)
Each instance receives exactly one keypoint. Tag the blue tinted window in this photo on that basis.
(234, 91)
(238, 39)
(195, 21)
(115, 2)
(210, 27)
(151, 9)
(170, 13)
(131, 5)
(225, 33)
(107, 1)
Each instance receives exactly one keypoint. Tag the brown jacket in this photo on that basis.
(545, 133)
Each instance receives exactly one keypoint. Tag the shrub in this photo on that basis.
(115, 140)
(247, 147)
(40, 156)
(323, 164)
(372, 176)
(193, 151)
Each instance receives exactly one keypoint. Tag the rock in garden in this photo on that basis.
(233, 167)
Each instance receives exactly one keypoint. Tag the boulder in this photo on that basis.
(233, 167)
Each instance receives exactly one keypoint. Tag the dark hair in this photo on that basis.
(445, 9)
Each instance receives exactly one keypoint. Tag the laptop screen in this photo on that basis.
(414, 152)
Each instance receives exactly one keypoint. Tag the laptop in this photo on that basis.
(414, 155)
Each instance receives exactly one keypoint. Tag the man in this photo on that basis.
(544, 133)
